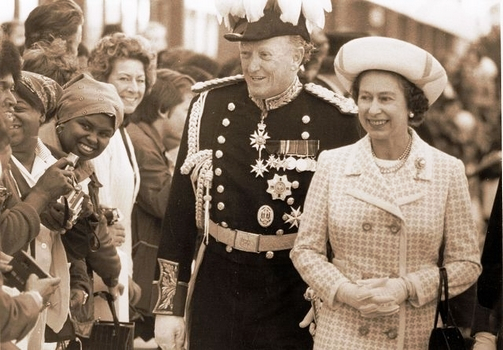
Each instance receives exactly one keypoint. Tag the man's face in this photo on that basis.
(269, 66)
(7, 99)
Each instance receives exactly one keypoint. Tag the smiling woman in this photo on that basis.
(127, 63)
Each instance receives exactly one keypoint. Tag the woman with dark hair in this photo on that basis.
(156, 129)
(385, 205)
(61, 19)
(128, 64)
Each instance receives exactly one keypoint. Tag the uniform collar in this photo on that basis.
(279, 100)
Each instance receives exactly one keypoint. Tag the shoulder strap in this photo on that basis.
(442, 305)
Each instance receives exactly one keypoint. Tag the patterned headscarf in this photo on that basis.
(46, 90)
(84, 95)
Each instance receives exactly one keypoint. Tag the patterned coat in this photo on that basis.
(385, 226)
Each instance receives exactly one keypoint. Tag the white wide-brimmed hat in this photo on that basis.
(388, 54)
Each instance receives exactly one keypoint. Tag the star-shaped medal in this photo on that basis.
(258, 139)
(279, 187)
(259, 168)
(293, 218)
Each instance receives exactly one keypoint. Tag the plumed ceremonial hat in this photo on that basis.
(253, 20)
(388, 54)
(84, 95)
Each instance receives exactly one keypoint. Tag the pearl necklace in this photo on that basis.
(401, 160)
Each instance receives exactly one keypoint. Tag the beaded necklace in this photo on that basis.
(400, 161)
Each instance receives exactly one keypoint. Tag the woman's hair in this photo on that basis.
(51, 60)
(10, 59)
(121, 46)
(166, 93)
(417, 102)
(52, 20)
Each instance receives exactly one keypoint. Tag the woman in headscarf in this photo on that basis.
(87, 116)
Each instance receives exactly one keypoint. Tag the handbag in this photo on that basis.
(448, 336)
(111, 335)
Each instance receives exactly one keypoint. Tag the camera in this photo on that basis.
(75, 198)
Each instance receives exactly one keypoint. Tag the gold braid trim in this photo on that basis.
(198, 164)
(345, 105)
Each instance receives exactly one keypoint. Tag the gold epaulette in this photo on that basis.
(215, 83)
(344, 104)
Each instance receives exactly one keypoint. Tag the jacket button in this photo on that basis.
(226, 122)
(220, 189)
(366, 226)
(220, 206)
(280, 232)
(363, 330)
(269, 255)
(219, 154)
(228, 249)
(221, 139)
(218, 171)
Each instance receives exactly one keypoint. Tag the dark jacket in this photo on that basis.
(150, 206)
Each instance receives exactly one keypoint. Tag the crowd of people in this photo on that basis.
(256, 203)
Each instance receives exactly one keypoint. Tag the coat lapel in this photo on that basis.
(369, 185)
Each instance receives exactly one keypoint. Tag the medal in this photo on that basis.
(265, 216)
(279, 187)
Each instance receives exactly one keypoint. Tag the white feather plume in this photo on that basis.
(314, 12)
(290, 10)
(254, 9)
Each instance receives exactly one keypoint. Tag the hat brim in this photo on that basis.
(388, 54)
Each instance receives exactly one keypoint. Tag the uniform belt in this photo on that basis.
(251, 242)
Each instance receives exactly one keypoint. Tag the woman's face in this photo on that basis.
(24, 127)
(86, 136)
(128, 77)
(382, 108)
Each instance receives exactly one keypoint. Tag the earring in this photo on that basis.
(42, 119)
(59, 128)
(411, 114)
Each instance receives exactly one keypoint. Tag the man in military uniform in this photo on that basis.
(246, 159)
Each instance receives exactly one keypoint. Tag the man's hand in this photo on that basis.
(169, 332)
(116, 291)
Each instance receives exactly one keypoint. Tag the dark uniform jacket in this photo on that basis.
(229, 118)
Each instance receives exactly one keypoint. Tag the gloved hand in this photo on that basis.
(395, 288)
(484, 341)
(368, 302)
(309, 320)
(169, 332)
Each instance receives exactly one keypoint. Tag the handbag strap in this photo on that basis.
(442, 305)
(110, 301)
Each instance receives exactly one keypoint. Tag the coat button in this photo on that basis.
(231, 106)
(220, 189)
(269, 255)
(219, 154)
(280, 232)
(221, 139)
(305, 135)
(306, 119)
(226, 122)
(363, 330)
(220, 206)
(366, 226)
(218, 171)
(228, 249)
(394, 228)
(391, 333)
(290, 201)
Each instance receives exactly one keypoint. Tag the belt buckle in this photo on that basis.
(247, 242)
